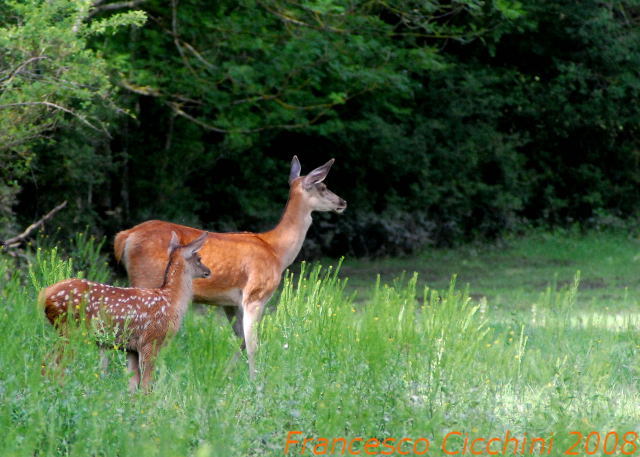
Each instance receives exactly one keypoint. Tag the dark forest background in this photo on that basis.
(449, 120)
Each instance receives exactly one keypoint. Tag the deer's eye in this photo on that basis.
(322, 187)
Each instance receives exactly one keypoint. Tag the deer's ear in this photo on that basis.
(195, 245)
(318, 174)
(295, 169)
(173, 243)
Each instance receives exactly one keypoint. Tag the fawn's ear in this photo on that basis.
(173, 243)
(295, 169)
(318, 174)
(195, 245)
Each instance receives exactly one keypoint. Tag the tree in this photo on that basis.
(50, 80)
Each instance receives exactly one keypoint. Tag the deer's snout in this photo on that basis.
(342, 205)
(206, 273)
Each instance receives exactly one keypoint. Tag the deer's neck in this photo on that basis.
(178, 285)
(287, 237)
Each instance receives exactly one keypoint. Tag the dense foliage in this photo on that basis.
(55, 94)
(448, 120)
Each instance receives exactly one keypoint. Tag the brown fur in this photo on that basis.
(118, 245)
(247, 267)
(149, 315)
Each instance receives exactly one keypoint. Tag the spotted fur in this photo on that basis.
(142, 319)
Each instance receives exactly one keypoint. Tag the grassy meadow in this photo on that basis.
(537, 336)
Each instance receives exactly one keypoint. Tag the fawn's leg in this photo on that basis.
(148, 355)
(56, 354)
(133, 363)
(104, 360)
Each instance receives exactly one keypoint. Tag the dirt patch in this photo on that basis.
(585, 284)
(527, 262)
(387, 272)
(477, 297)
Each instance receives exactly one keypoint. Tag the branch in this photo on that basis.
(61, 108)
(16, 240)
(176, 109)
(140, 90)
(198, 56)
(19, 68)
(292, 20)
(99, 7)
(30, 136)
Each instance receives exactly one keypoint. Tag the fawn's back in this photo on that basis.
(141, 311)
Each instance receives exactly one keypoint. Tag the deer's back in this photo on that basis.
(237, 260)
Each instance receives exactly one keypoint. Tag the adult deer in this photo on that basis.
(247, 267)
(141, 319)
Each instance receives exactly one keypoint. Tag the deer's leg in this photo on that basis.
(133, 364)
(147, 361)
(251, 318)
(104, 360)
(235, 312)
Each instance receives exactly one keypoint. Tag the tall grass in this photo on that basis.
(407, 362)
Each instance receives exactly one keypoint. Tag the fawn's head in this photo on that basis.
(314, 191)
(189, 255)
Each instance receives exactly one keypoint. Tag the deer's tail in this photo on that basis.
(119, 245)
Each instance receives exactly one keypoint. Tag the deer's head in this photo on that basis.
(313, 190)
(189, 255)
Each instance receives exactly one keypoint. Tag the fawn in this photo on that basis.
(142, 319)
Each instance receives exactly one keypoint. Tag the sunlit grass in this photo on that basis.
(402, 360)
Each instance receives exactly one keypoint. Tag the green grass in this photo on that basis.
(519, 344)
(511, 275)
